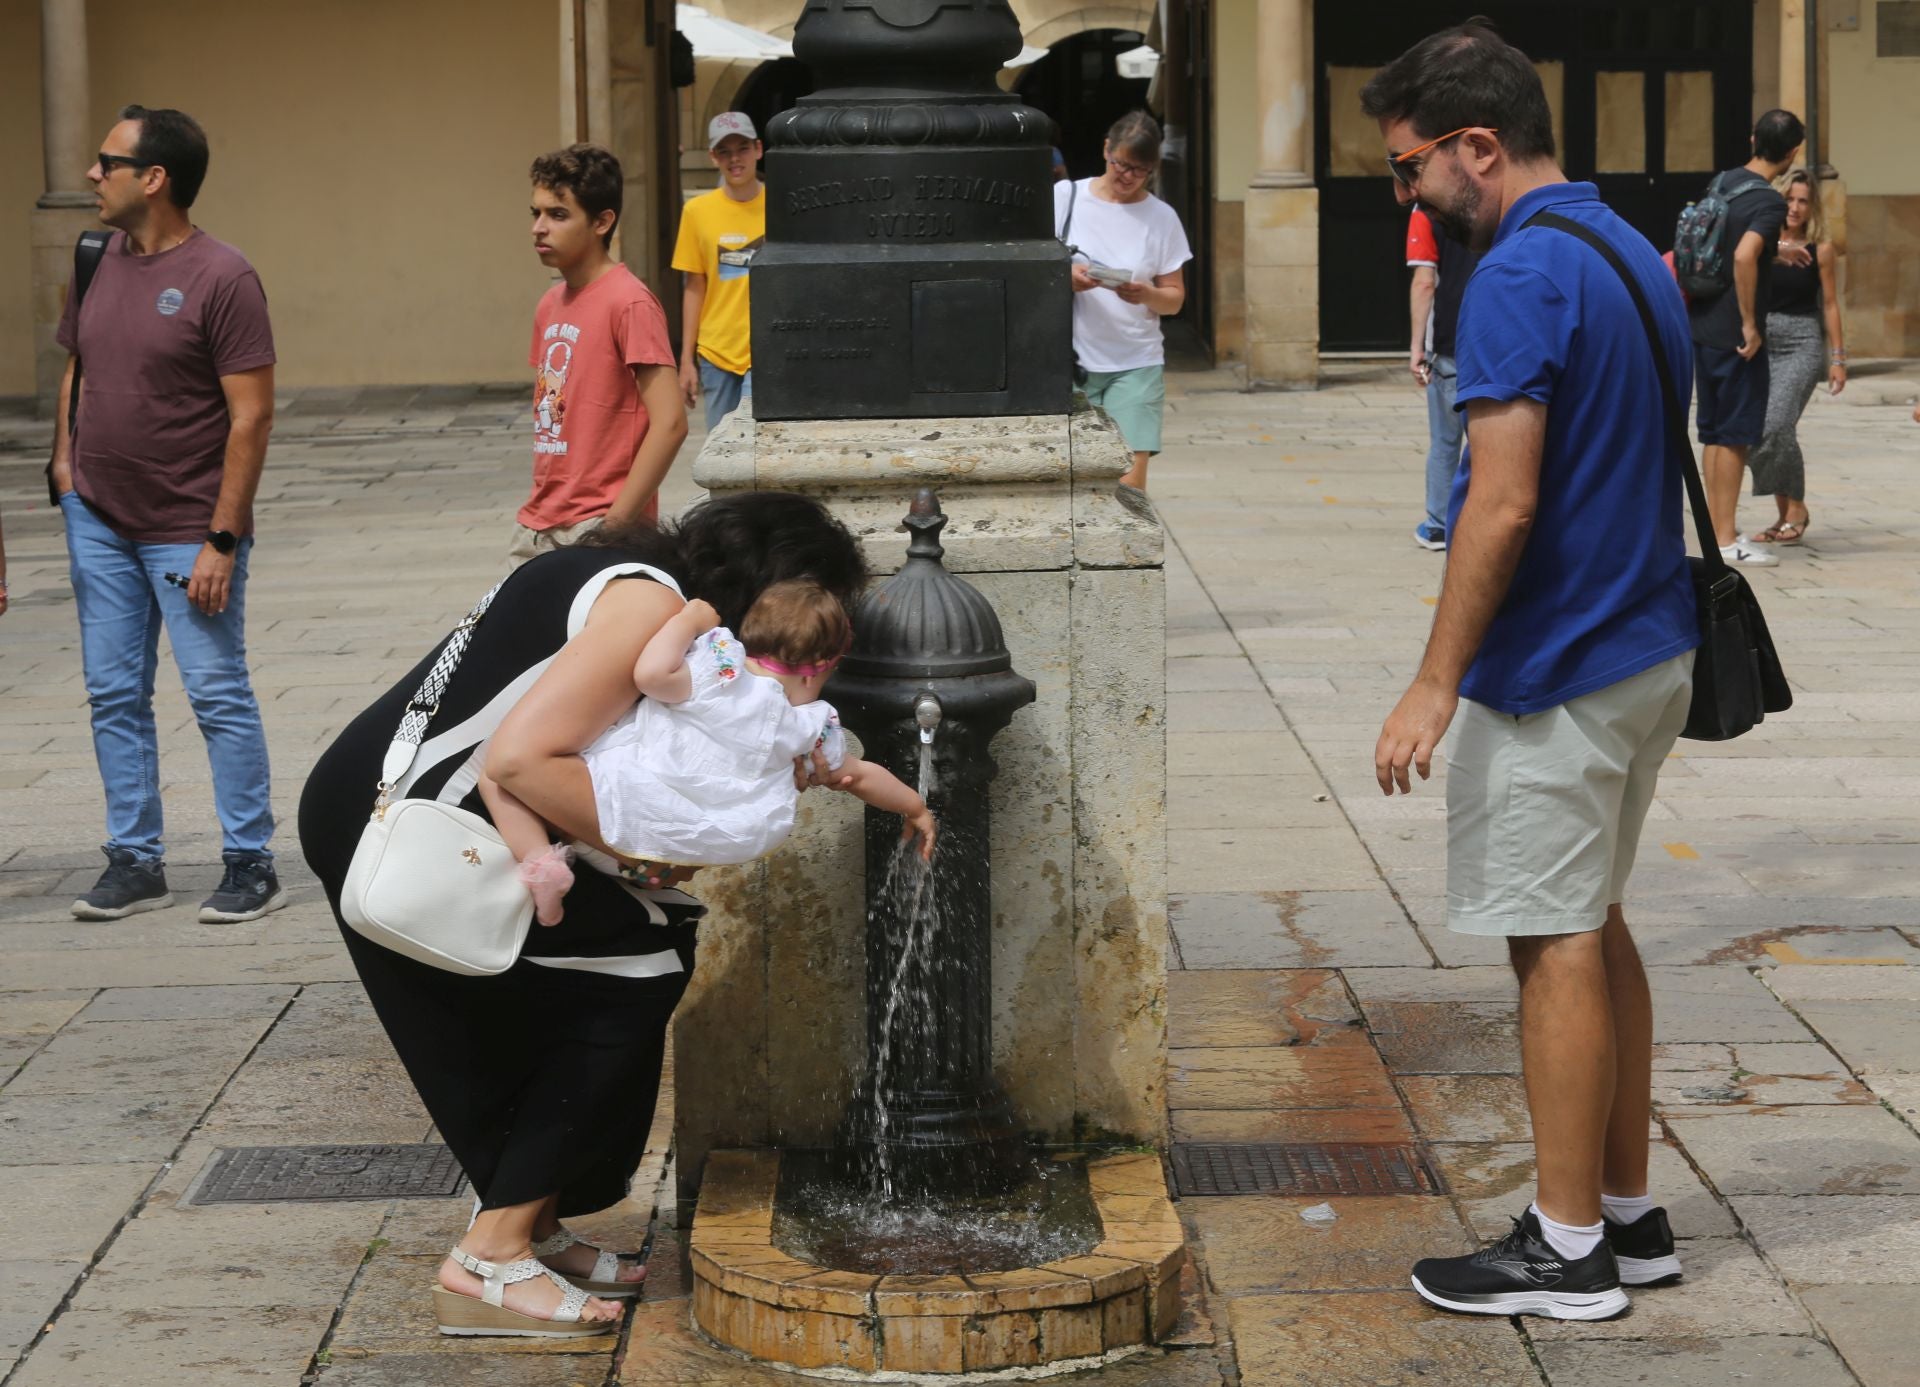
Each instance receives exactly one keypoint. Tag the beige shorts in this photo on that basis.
(1544, 810)
(528, 542)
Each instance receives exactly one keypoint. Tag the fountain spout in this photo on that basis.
(926, 714)
(929, 658)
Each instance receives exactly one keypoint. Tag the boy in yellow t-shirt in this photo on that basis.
(719, 233)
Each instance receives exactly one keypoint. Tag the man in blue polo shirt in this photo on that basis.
(1574, 660)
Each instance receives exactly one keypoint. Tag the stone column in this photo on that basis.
(1283, 207)
(1793, 57)
(66, 208)
(642, 130)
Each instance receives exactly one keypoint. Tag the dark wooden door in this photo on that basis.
(1650, 96)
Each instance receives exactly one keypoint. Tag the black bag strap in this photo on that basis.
(87, 254)
(1674, 408)
(1073, 194)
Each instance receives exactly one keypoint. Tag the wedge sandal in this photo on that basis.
(603, 1281)
(486, 1315)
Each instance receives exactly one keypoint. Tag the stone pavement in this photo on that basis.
(1318, 997)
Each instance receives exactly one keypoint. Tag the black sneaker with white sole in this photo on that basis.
(1522, 1275)
(129, 885)
(1644, 1249)
(248, 890)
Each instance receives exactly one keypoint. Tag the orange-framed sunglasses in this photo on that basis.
(1397, 163)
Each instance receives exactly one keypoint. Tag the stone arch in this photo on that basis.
(716, 92)
(1066, 22)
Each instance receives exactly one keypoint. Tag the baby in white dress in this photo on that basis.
(700, 772)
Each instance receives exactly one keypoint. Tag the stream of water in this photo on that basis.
(850, 1211)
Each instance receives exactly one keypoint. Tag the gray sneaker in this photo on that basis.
(247, 891)
(130, 885)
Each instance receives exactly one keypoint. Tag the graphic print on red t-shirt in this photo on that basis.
(550, 387)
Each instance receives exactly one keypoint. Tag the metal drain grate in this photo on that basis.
(1201, 1168)
(287, 1174)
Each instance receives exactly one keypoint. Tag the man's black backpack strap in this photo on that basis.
(1737, 678)
(87, 254)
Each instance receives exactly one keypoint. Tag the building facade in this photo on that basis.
(371, 158)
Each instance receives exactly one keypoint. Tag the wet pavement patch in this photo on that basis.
(294, 1174)
(1208, 1168)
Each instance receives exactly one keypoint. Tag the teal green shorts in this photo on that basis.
(1134, 400)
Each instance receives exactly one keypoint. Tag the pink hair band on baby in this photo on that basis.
(797, 671)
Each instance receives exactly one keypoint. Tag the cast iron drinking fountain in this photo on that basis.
(935, 1237)
(926, 686)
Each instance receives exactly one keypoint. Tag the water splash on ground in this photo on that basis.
(826, 1214)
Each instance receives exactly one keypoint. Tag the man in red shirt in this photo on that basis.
(607, 413)
(1441, 267)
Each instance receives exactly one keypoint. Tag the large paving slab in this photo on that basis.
(1693, 1362)
(1377, 1337)
(208, 1348)
(1872, 1327)
(1801, 1150)
(1262, 1243)
(1852, 1240)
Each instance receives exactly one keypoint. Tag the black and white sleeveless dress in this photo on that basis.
(543, 1078)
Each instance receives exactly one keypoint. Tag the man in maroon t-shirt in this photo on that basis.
(156, 483)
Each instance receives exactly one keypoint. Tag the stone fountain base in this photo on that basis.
(749, 1295)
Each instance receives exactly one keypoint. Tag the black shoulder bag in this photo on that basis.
(1737, 679)
(86, 259)
(1073, 194)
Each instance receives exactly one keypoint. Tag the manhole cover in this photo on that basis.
(282, 1174)
(1201, 1168)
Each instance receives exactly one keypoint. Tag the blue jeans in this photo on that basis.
(722, 390)
(123, 599)
(1445, 429)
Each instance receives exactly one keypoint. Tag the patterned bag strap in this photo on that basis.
(426, 701)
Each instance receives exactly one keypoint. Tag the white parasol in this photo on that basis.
(713, 37)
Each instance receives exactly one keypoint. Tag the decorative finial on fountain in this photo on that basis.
(926, 520)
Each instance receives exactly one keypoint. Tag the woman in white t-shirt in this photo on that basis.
(1128, 250)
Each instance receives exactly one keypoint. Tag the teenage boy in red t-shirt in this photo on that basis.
(607, 413)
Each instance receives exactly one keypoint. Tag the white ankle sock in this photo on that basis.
(1625, 1208)
(1570, 1240)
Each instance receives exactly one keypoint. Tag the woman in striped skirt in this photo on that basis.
(1799, 356)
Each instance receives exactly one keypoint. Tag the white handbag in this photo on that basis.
(436, 883)
(429, 879)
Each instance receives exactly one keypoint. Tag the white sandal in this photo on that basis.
(604, 1280)
(463, 1314)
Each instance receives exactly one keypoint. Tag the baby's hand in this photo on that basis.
(703, 614)
(921, 823)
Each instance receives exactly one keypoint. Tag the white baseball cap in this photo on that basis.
(730, 123)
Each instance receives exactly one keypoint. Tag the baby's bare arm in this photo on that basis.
(880, 787)
(661, 671)
(524, 831)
